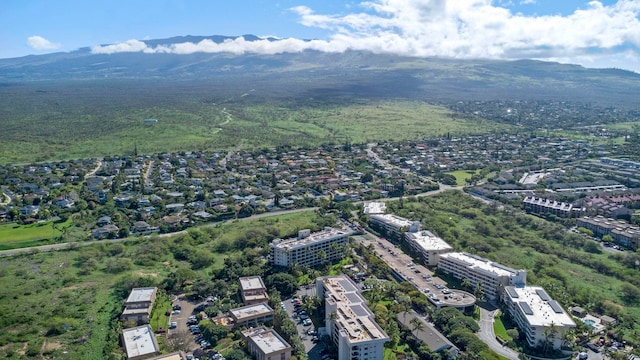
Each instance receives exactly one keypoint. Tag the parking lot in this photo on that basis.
(182, 330)
(420, 276)
(312, 348)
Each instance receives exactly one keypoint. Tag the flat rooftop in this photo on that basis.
(141, 294)
(251, 311)
(320, 236)
(139, 341)
(539, 308)
(353, 315)
(251, 283)
(375, 208)
(173, 356)
(391, 219)
(428, 241)
(268, 340)
(479, 263)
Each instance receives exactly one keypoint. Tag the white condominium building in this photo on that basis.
(266, 344)
(429, 246)
(491, 275)
(349, 322)
(538, 316)
(373, 207)
(252, 290)
(310, 249)
(394, 225)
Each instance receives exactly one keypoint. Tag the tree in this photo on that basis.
(287, 284)
(178, 341)
(236, 354)
(417, 325)
(591, 246)
(550, 333)
(630, 294)
(466, 284)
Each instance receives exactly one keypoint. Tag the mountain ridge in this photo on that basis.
(350, 73)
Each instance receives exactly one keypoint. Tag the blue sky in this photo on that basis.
(604, 33)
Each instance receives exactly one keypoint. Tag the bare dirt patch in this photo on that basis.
(143, 273)
(609, 302)
(50, 346)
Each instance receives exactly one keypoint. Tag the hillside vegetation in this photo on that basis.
(91, 119)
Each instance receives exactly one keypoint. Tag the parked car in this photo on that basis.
(177, 307)
(173, 325)
(307, 322)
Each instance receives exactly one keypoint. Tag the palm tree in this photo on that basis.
(417, 324)
(466, 284)
(549, 333)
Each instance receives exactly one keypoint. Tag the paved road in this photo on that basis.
(487, 335)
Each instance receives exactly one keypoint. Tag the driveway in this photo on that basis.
(487, 335)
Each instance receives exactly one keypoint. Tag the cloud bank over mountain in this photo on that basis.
(596, 36)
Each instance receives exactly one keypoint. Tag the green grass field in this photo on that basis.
(462, 175)
(187, 125)
(16, 236)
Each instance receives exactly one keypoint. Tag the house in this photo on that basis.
(29, 210)
(107, 231)
(266, 344)
(64, 202)
(139, 304)
(105, 220)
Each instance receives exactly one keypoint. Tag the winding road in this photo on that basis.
(487, 335)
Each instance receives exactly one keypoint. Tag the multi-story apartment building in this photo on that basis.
(394, 225)
(252, 290)
(266, 344)
(373, 207)
(251, 315)
(139, 304)
(310, 249)
(429, 246)
(621, 231)
(541, 206)
(349, 322)
(140, 343)
(478, 270)
(538, 316)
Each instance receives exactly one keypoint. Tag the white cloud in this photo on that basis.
(40, 43)
(450, 28)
